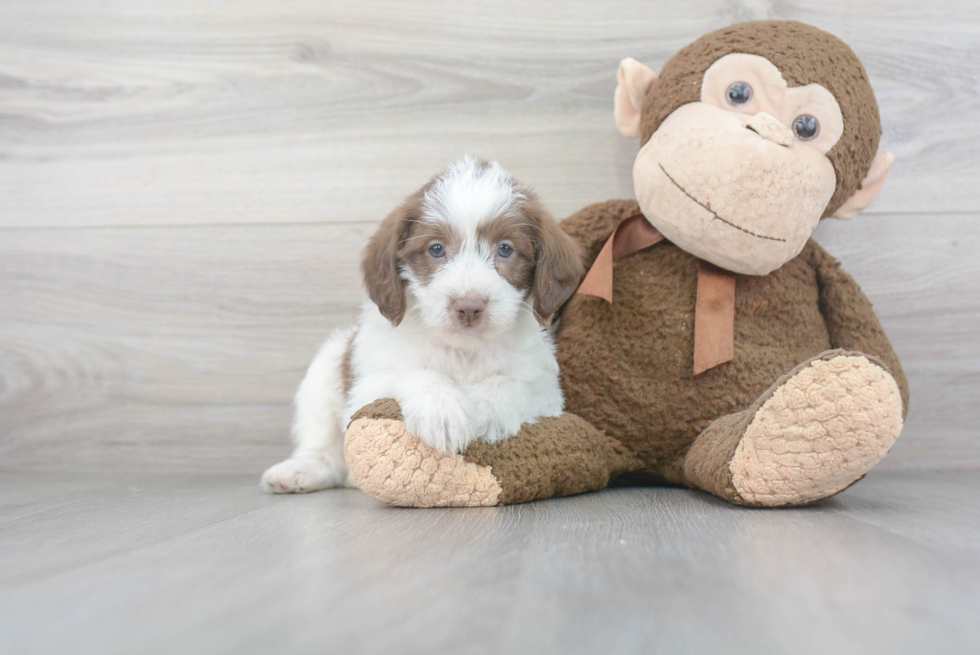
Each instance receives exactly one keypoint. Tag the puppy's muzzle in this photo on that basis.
(468, 310)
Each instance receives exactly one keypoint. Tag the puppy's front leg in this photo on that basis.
(504, 404)
(437, 412)
(435, 409)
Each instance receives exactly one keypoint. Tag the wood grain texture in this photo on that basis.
(164, 347)
(179, 348)
(311, 111)
(185, 186)
(922, 275)
(208, 564)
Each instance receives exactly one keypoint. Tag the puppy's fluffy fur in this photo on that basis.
(463, 278)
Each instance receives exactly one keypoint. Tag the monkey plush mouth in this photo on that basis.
(713, 213)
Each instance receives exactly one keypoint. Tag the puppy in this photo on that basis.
(463, 280)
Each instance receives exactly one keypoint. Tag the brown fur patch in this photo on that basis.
(414, 252)
(347, 367)
(626, 367)
(559, 268)
(804, 55)
(384, 408)
(379, 265)
(545, 259)
(518, 269)
(557, 456)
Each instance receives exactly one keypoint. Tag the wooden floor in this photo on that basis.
(121, 563)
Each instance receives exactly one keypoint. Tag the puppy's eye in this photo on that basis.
(806, 127)
(739, 94)
(505, 250)
(437, 251)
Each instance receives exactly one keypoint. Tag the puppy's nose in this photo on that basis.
(469, 309)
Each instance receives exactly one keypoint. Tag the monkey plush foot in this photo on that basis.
(812, 434)
(557, 456)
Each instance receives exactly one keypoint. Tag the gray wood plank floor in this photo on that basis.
(126, 563)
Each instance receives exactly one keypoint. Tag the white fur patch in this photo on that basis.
(469, 193)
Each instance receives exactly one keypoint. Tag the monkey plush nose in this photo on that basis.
(469, 309)
(768, 127)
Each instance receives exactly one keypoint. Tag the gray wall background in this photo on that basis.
(185, 187)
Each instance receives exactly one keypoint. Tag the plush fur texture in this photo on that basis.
(804, 54)
(816, 431)
(391, 464)
(721, 185)
(461, 276)
(775, 455)
(558, 456)
(626, 367)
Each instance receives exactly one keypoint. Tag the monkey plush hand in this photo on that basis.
(748, 138)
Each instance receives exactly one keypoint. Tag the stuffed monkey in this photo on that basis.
(713, 344)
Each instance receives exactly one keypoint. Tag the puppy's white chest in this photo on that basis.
(467, 366)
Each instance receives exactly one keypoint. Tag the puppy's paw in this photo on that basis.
(300, 475)
(495, 424)
(440, 419)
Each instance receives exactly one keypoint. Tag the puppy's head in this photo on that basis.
(469, 252)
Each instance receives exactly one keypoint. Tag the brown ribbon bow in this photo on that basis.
(714, 309)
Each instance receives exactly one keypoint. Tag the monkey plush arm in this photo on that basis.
(591, 226)
(851, 321)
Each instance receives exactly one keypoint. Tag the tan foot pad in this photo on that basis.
(388, 463)
(819, 432)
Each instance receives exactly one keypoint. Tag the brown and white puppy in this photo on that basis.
(463, 278)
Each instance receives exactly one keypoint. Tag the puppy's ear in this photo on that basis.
(558, 264)
(379, 265)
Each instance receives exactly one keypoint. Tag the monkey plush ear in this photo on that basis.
(870, 187)
(634, 80)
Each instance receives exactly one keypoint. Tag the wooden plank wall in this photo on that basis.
(185, 187)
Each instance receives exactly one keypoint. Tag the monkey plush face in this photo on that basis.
(750, 136)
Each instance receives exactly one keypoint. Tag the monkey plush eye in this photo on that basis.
(437, 251)
(505, 250)
(806, 127)
(739, 94)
